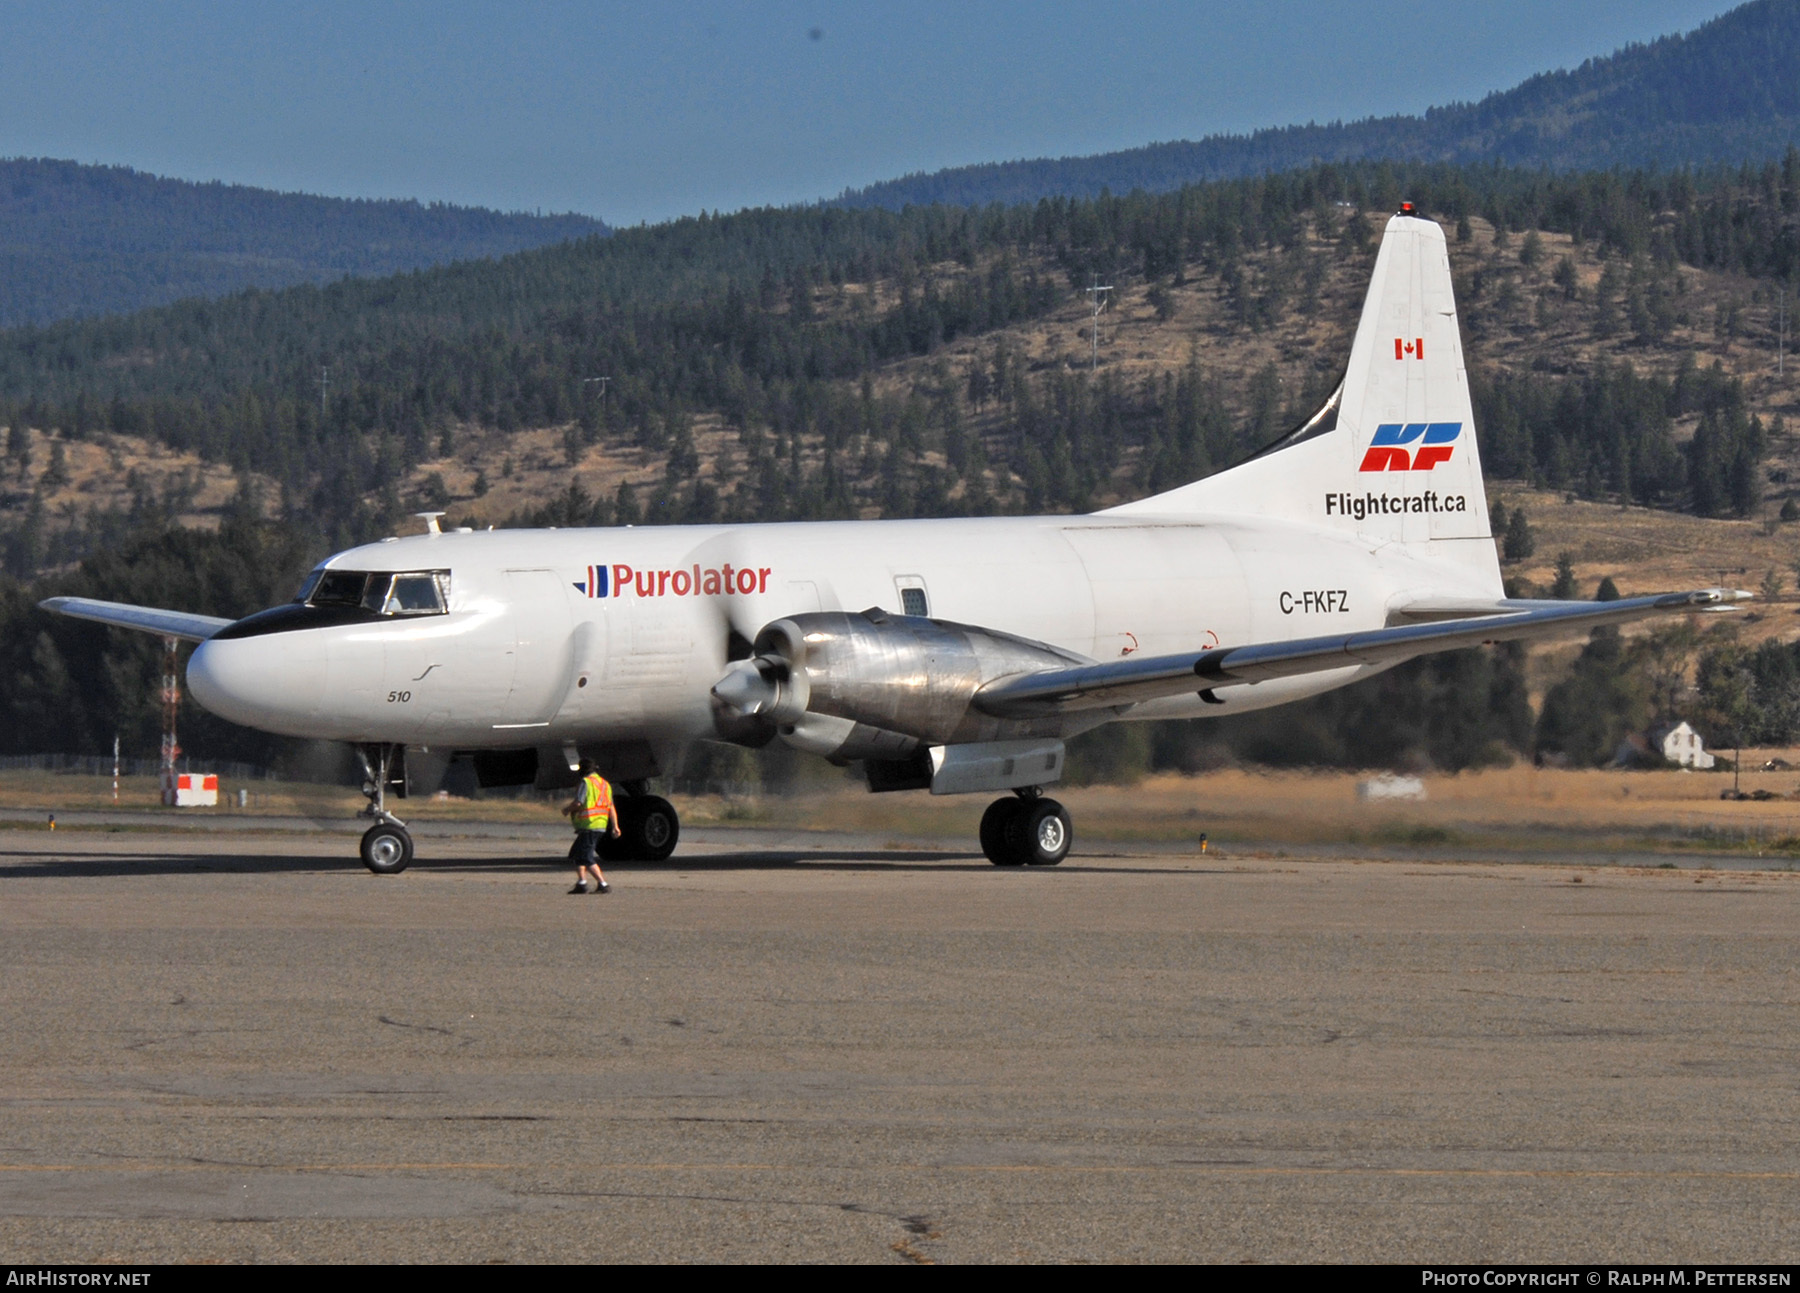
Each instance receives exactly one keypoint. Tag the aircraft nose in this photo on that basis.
(260, 682)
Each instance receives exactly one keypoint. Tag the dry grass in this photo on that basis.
(1524, 808)
(104, 472)
(1647, 551)
(49, 792)
(1521, 807)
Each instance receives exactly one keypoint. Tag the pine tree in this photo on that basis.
(625, 506)
(56, 471)
(1564, 589)
(1520, 542)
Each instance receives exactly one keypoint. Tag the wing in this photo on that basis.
(1128, 681)
(146, 619)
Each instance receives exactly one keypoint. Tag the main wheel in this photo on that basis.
(995, 828)
(659, 829)
(650, 827)
(386, 849)
(1044, 833)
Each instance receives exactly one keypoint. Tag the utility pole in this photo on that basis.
(171, 699)
(588, 417)
(324, 389)
(1098, 293)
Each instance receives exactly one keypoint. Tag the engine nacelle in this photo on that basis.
(879, 686)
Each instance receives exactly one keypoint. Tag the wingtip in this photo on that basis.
(1704, 599)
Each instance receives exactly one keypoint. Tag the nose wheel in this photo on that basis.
(386, 846)
(1026, 832)
(386, 849)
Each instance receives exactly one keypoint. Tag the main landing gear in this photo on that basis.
(648, 827)
(1027, 830)
(386, 847)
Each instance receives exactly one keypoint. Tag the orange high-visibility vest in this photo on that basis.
(594, 804)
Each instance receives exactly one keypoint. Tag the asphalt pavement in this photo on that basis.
(237, 1046)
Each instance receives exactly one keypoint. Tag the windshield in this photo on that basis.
(409, 592)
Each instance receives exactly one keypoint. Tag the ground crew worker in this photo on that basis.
(593, 814)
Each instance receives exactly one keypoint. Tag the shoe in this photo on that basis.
(580, 888)
(604, 888)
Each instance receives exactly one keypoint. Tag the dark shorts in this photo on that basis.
(586, 849)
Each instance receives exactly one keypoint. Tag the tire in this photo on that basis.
(622, 847)
(1044, 833)
(651, 828)
(386, 850)
(995, 828)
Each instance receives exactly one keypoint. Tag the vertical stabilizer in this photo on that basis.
(1392, 456)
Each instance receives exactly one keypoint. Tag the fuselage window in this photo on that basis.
(419, 592)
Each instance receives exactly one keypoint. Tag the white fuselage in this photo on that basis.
(531, 650)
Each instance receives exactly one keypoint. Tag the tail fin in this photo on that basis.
(1392, 455)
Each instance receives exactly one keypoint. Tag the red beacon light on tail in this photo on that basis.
(1406, 208)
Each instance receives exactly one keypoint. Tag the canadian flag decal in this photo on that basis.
(1404, 349)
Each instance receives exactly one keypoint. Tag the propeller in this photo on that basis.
(757, 696)
(737, 718)
(738, 725)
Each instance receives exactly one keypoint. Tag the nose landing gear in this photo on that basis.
(386, 847)
(1027, 830)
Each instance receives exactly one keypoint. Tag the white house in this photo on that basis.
(1681, 744)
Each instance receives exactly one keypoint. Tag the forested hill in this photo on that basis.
(817, 362)
(1728, 91)
(85, 240)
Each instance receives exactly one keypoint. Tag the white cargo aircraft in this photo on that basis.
(1357, 541)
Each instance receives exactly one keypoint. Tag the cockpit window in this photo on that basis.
(375, 592)
(413, 592)
(415, 595)
(339, 588)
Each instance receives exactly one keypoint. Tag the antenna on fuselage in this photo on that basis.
(431, 521)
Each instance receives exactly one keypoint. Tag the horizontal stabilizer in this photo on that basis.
(146, 619)
(1133, 679)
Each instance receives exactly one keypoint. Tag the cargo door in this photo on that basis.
(541, 647)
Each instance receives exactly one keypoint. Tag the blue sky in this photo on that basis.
(643, 112)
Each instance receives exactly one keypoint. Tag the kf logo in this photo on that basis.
(1387, 451)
